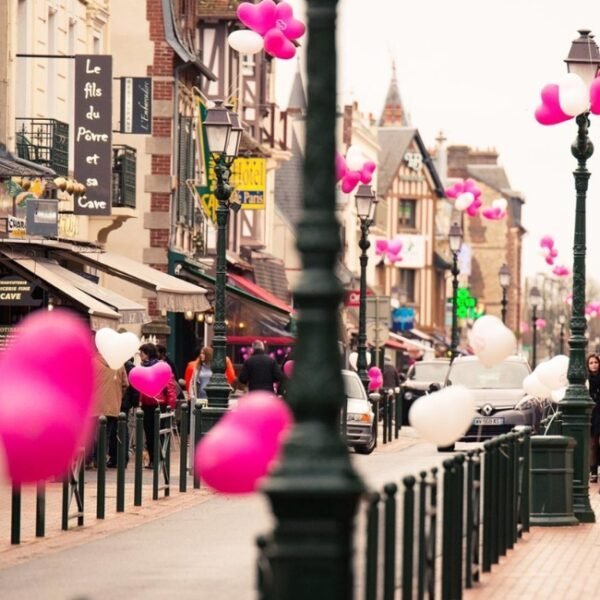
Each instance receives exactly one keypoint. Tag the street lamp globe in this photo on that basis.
(235, 135)
(365, 202)
(218, 128)
(455, 237)
(535, 298)
(562, 319)
(584, 57)
(504, 276)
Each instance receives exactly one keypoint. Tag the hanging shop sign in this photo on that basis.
(136, 105)
(93, 133)
(248, 177)
(42, 218)
(16, 291)
(15, 227)
(467, 306)
(403, 318)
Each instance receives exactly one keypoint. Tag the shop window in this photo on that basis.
(407, 214)
(406, 282)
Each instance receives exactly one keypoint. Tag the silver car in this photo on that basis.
(359, 415)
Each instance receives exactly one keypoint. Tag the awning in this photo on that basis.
(421, 335)
(172, 294)
(131, 312)
(13, 166)
(428, 351)
(259, 292)
(100, 314)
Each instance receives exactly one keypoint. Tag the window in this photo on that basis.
(407, 214)
(406, 281)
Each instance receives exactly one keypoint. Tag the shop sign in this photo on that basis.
(466, 305)
(16, 291)
(352, 298)
(403, 318)
(15, 227)
(68, 226)
(93, 133)
(248, 177)
(136, 105)
(42, 218)
(413, 251)
(7, 333)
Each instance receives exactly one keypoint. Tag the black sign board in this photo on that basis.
(16, 291)
(42, 217)
(93, 133)
(136, 105)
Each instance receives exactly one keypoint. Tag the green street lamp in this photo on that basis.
(223, 132)
(576, 406)
(504, 277)
(366, 201)
(455, 240)
(535, 300)
(561, 343)
(314, 489)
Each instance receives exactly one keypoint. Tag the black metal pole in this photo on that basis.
(576, 406)
(533, 337)
(361, 359)
(561, 344)
(454, 336)
(504, 304)
(314, 486)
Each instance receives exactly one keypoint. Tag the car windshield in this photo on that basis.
(472, 374)
(353, 387)
(429, 371)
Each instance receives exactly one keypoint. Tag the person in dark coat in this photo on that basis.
(593, 367)
(260, 371)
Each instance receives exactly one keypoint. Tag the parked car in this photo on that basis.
(419, 379)
(360, 425)
(500, 400)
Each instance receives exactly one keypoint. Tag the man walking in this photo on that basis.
(260, 371)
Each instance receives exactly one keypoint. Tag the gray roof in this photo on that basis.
(492, 175)
(297, 95)
(393, 99)
(393, 142)
(288, 183)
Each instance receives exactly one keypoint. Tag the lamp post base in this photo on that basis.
(210, 417)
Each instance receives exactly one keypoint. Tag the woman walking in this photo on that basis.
(593, 366)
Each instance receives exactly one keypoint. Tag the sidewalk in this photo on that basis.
(561, 563)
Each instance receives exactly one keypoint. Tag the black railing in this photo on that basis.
(124, 175)
(44, 142)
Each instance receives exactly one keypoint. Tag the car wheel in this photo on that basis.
(446, 448)
(367, 448)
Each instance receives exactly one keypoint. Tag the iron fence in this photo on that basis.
(44, 142)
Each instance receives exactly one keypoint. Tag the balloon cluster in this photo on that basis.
(567, 99)
(243, 446)
(524, 327)
(375, 378)
(491, 340)
(547, 249)
(443, 416)
(47, 397)
(270, 26)
(561, 271)
(389, 249)
(549, 379)
(353, 169)
(466, 196)
(497, 211)
(592, 309)
(540, 324)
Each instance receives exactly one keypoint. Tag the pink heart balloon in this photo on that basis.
(393, 258)
(454, 190)
(549, 260)
(263, 413)
(473, 209)
(549, 111)
(150, 381)
(395, 246)
(381, 247)
(258, 17)
(366, 173)
(288, 368)
(595, 96)
(233, 459)
(277, 45)
(340, 166)
(547, 242)
(350, 181)
(284, 20)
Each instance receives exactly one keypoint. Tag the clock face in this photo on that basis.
(414, 160)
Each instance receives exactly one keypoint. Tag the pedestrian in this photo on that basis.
(165, 399)
(391, 380)
(109, 390)
(202, 374)
(162, 355)
(593, 366)
(192, 366)
(260, 371)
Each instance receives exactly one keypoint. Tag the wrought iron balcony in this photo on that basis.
(124, 174)
(45, 142)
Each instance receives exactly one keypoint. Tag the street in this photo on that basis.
(202, 552)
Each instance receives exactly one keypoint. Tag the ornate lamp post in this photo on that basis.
(314, 488)
(455, 239)
(583, 59)
(535, 299)
(366, 201)
(224, 132)
(504, 277)
(561, 344)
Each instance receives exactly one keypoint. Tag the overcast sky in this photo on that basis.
(474, 70)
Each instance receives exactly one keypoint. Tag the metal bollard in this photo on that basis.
(139, 457)
(40, 509)
(384, 423)
(487, 509)
(430, 581)
(81, 488)
(470, 519)
(389, 542)
(421, 565)
(167, 459)
(372, 547)
(399, 411)
(183, 442)
(157, 458)
(121, 439)
(447, 530)
(510, 489)
(101, 464)
(197, 436)
(390, 401)
(408, 537)
(457, 547)
(526, 479)
(15, 514)
(502, 455)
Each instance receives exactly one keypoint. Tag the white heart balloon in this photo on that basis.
(558, 395)
(573, 95)
(491, 340)
(444, 416)
(246, 41)
(353, 357)
(534, 387)
(553, 373)
(116, 347)
(464, 200)
(355, 159)
(500, 203)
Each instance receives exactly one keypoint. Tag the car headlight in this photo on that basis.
(409, 396)
(361, 417)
